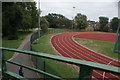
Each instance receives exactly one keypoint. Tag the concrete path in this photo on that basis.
(23, 59)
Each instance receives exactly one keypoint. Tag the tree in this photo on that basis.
(114, 24)
(80, 21)
(30, 15)
(58, 21)
(44, 24)
(103, 24)
(18, 15)
(12, 18)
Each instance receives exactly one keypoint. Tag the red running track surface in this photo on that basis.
(67, 47)
(98, 36)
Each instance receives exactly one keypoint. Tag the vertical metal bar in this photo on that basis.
(116, 45)
(39, 22)
(0, 39)
(0, 64)
(85, 73)
(44, 69)
(3, 66)
(36, 63)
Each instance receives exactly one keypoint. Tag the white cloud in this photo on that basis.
(92, 9)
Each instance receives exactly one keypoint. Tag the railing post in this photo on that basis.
(0, 64)
(36, 62)
(3, 66)
(85, 73)
(44, 68)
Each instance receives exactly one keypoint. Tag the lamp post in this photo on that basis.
(39, 22)
(73, 18)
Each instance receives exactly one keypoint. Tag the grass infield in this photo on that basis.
(102, 47)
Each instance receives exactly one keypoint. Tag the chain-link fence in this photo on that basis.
(117, 43)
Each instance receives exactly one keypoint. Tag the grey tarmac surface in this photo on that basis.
(23, 59)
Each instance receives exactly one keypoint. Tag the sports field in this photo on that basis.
(66, 46)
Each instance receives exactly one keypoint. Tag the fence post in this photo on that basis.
(36, 62)
(85, 73)
(44, 68)
(3, 66)
(0, 64)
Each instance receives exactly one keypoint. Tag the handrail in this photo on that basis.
(88, 65)
(36, 70)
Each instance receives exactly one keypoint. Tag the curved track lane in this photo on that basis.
(67, 47)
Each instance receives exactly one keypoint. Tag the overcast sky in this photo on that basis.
(92, 8)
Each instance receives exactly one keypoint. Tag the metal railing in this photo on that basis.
(86, 67)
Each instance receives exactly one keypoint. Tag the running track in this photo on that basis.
(67, 47)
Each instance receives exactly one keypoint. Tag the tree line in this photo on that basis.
(24, 16)
(106, 26)
(18, 16)
(80, 22)
(60, 21)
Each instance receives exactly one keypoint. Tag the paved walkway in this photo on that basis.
(23, 59)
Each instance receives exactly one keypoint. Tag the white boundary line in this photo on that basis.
(85, 52)
(75, 66)
(93, 57)
(52, 44)
(83, 59)
(95, 52)
(77, 43)
(92, 50)
(86, 56)
(107, 61)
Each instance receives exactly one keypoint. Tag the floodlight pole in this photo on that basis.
(39, 22)
(73, 18)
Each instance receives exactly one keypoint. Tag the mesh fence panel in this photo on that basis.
(117, 43)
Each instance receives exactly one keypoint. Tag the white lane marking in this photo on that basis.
(82, 59)
(59, 42)
(96, 52)
(62, 50)
(104, 72)
(87, 57)
(83, 51)
(109, 62)
(51, 42)
(97, 55)
(92, 50)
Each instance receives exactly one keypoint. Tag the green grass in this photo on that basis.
(13, 44)
(51, 66)
(102, 47)
(54, 67)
